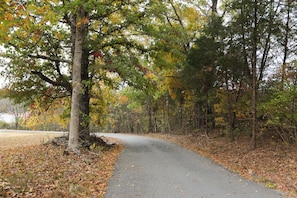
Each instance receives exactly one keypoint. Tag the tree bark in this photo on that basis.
(254, 75)
(84, 131)
(73, 144)
(286, 41)
(214, 6)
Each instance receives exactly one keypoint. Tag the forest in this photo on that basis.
(147, 66)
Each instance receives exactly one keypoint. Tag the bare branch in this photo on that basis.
(50, 58)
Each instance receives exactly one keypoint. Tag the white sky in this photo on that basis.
(8, 118)
(2, 79)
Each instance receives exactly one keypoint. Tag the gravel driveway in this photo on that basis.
(151, 168)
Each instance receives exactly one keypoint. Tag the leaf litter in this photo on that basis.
(43, 171)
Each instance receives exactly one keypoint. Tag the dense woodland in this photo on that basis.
(211, 66)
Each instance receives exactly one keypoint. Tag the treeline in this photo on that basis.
(237, 76)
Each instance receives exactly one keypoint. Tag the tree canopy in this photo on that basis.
(165, 66)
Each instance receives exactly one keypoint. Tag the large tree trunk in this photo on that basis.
(84, 131)
(73, 144)
(149, 110)
(254, 75)
(285, 43)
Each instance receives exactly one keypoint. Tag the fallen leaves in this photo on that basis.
(272, 163)
(43, 171)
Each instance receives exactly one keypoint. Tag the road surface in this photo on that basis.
(151, 168)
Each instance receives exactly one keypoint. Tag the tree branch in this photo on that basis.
(50, 58)
(59, 82)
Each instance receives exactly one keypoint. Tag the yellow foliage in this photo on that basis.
(189, 95)
(100, 103)
(220, 121)
(44, 9)
(8, 16)
(149, 75)
(104, 29)
(82, 21)
(115, 18)
(192, 14)
(38, 118)
(170, 58)
(173, 81)
(220, 107)
(58, 35)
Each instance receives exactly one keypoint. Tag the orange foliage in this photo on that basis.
(123, 99)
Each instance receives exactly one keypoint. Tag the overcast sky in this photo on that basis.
(2, 81)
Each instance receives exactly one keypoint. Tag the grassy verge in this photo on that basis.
(17, 139)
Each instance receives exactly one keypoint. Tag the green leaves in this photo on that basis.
(280, 108)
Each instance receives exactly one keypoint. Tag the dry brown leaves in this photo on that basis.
(43, 171)
(273, 163)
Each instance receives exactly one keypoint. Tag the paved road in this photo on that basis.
(151, 168)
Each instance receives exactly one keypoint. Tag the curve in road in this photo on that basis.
(152, 168)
